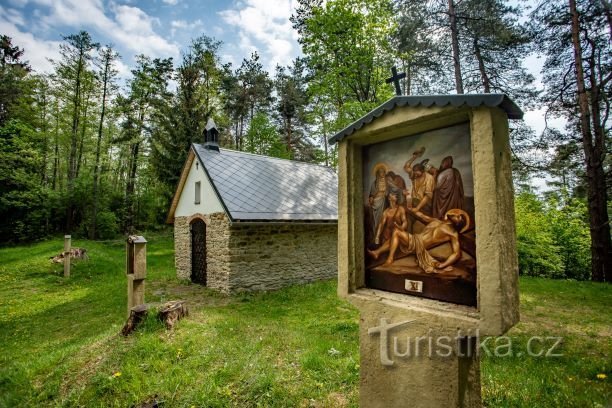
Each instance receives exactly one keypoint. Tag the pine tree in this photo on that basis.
(71, 72)
(575, 37)
(291, 109)
(106, 75)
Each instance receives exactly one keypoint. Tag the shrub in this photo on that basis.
(552, 236)
(537, 251)
(108, 227)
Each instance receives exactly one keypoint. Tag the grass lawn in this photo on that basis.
(297, 347)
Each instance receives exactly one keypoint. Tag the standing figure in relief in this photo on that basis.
(376, 199)
(448, 193)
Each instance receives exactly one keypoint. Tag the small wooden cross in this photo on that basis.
(395, 79)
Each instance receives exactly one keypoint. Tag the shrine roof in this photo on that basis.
(472, 100)
(252, 187)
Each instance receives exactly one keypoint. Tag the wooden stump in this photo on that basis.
(169, 313)
(137, 315)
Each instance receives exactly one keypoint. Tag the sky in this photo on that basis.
(164, 28)
(157, 28)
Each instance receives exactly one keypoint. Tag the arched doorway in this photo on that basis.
(198, 251)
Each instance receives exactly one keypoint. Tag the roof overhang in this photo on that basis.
(500, 101)
(180, 186)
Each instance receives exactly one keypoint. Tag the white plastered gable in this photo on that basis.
(209, 201)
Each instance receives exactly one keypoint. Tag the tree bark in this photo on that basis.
(607, 10)
(94, 218)
(486, 83)
(44, 129)
(83, 131)
(73, 141)
(455, 45)
(130, 188)
(601, 247)
(56, 142)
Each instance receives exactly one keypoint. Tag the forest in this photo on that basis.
(86, 153)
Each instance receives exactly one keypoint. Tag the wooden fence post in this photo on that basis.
(67, 256)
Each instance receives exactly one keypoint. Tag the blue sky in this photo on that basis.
(158, 28)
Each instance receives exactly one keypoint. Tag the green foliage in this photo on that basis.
(537, 252)
(13, 71)
(24, 204)
(570, 229)
(107, 225)
(347, 48)
(180, 121)
(263, 138)
(246, 91)
(552, 237)
(291, 110)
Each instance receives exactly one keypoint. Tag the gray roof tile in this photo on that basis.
(473, 100)
(261, 188)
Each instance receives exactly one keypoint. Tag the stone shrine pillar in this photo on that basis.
(426, 244)
(136, 270)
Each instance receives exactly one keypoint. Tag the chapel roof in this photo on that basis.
(252, 187)
(472, 100)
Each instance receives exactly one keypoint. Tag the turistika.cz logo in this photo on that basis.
(463, 344)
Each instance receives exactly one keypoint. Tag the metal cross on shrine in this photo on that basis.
(395, 79)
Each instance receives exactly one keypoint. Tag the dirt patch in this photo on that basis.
(197, 296)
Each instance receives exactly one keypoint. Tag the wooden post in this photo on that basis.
(67, 239)
(136, 270)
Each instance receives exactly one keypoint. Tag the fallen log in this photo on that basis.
(75, 253)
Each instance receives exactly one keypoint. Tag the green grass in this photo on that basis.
(60, 345)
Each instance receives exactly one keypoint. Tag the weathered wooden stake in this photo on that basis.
(136, 270)
(67, 239)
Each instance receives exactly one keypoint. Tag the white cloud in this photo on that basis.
(36, 50)
(184, 25)
(13, 16)
(265, 24)
(171, 2)
(130, 26)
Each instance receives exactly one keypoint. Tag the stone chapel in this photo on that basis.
(246, 222)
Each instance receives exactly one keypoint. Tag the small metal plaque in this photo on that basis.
(414, 286)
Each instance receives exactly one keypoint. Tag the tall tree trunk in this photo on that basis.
(44, 129)
(455, 45)
(96, 176)
(73, 144)
(82, 139)
(325, 144)
(599, 153)
(601, 248)
(486, 83)
(289, 138)
(608, 11)
(56, 142)
(408, 80)
(130, 188)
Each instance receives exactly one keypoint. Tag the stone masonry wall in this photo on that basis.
(268, 257)
(217, 249)
(258, 256)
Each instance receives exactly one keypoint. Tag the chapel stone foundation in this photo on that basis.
(258, 256)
